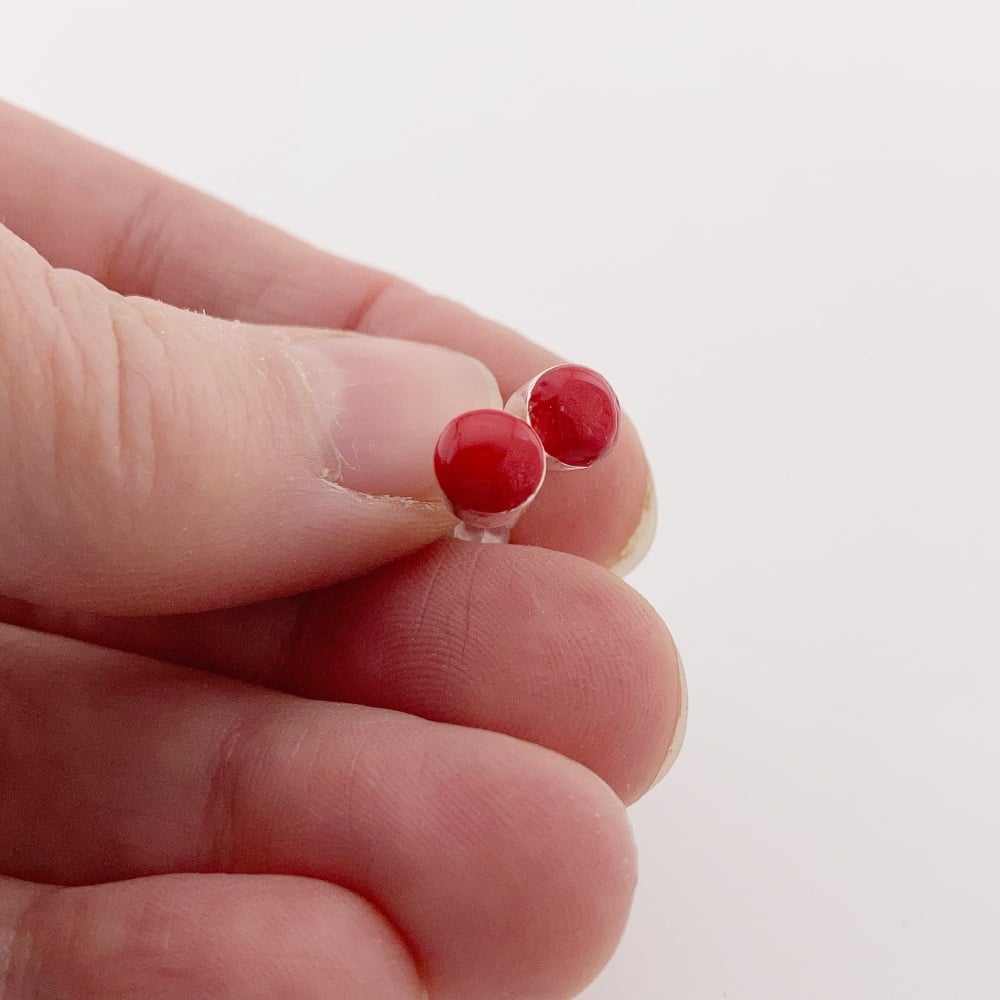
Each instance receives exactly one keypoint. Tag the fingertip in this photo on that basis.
(641, 539)
(550, 861)
(679, 725)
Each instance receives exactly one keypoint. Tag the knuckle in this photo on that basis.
(225, 788)
(135, 261)
(106, 405)
(92, 417)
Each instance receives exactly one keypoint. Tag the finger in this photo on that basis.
(140, 233)
(497, 860)
(536, 644)
(179, 937)
(155, 461)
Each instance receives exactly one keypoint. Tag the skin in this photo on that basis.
(353, 758)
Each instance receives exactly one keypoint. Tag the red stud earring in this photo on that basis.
(490, 465)
(575, 413)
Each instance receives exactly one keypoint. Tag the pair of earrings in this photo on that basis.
(490, 464)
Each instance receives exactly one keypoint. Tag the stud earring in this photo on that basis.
(490, 465)
(575, 413)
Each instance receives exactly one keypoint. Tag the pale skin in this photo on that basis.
(308, 746)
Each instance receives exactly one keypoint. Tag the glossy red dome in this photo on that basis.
(488, 462)
(576, 414)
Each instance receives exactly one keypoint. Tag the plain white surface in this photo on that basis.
(776, 227)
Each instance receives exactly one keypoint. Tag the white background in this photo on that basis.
(776, 226)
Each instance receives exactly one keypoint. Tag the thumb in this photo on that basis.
(156, 460)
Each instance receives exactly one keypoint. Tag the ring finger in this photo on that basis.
(498, 861)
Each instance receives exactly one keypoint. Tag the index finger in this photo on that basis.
(138, 232)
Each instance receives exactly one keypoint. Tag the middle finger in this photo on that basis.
(536, 644)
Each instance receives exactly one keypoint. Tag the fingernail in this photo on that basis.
(382, 404)
(642, 538)
(680, 728)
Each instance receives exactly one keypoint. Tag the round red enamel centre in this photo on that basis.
(576, 414)
(488, 462)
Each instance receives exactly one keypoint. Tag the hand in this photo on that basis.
(286, 778)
